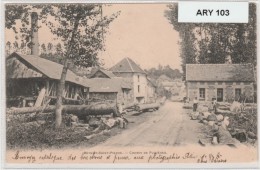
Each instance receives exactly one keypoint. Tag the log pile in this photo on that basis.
(229, 127)
(37, 129)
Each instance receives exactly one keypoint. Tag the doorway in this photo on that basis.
(220, 95)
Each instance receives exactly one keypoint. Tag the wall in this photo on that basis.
(124, 97)
(211, 89)
(129, 78)
(110, 97)
(151, 95)
(142, 83)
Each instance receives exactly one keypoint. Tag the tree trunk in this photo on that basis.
(58, 111)
(79, 110)
(142, 107)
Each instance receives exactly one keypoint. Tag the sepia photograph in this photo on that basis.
(128, 83)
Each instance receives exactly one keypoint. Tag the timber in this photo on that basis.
(79, 110)
(129, 106)
(143, 107)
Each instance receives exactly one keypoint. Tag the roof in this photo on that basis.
(152, 82)
(108, 73)
(50, 69)
(219, 72)
(127, 65)
(106, 85)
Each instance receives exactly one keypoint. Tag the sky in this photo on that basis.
(141, 32)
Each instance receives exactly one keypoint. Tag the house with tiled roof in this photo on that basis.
(137, 77)
(105, 86)
(225, 82)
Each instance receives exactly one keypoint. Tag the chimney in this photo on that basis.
(34, 36)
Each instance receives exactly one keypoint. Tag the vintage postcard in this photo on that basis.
(92, 84)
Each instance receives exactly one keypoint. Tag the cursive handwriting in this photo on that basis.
(119, 157)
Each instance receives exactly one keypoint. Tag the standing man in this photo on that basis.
(195, 104)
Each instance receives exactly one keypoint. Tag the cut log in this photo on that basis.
(142, 107)
(129, 106)
(25, 110)
(79, 110)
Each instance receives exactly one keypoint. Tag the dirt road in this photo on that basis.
(170, 125)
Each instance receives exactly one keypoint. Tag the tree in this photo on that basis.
(58, 49)
(245, 44)
(187, 38)
(49, 47)
(14, 13)
(82, 32)
(81, 27)
(43, 49)
(15, 46)
(23, 47)
(208, 42)
(8, 47)
(164, 70)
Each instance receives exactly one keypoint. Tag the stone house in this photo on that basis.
(128, 69)
(225, 82)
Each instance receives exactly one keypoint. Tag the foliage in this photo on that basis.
(88, 39)
(61, 19)
(80, 27)
(164, 70)
(213, 42)
(43, 48)
(13, 13)
(187, 45)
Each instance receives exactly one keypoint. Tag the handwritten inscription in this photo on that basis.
(119, 157)
(211, 158)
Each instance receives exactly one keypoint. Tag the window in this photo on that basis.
(202, 93)
(138, 88)
(237, 94)
(138, 77)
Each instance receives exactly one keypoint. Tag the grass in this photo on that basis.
(31, 135)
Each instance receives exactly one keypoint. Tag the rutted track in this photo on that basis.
(170, 125)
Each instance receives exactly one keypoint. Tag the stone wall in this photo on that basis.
(211, 89)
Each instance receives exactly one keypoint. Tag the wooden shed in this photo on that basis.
(33, 81)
